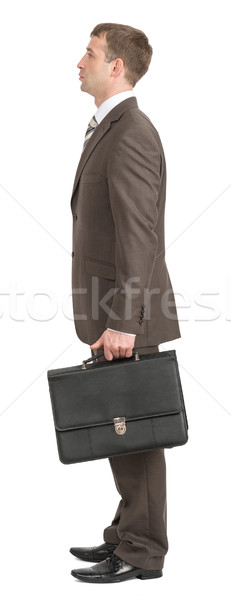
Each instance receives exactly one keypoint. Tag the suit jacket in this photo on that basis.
(119, 274)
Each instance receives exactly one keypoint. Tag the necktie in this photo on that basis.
(90, 129)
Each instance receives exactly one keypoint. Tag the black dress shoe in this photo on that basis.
(95, 553)
(113, 569)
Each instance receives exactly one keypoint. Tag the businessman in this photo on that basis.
(121, 289)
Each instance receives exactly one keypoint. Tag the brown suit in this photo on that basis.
(118, 204)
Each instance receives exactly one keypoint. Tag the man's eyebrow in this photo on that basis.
(90, 50)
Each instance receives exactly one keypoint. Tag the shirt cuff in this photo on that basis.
(134, 334)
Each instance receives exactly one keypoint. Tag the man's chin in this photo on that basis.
(84, 88)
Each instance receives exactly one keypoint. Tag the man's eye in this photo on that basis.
(90, 55)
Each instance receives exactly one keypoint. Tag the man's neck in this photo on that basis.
(100, 99)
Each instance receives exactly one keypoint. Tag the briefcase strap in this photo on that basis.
(135, 355)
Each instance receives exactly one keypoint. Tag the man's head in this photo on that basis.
(117, 57)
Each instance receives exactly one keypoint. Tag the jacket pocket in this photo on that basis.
(100, 268)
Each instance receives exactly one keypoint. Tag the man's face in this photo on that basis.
(94, 71)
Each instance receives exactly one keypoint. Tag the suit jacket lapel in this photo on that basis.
(99, 132)
(94, 139)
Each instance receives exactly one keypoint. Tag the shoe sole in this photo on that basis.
(139, 575)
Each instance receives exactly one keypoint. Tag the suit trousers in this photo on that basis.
(139, 527)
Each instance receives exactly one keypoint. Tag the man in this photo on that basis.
(122, 293)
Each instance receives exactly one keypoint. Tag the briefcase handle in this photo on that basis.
(135, 355)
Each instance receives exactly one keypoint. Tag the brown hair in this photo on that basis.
(128, 43)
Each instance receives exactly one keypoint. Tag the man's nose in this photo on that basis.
(80, 65)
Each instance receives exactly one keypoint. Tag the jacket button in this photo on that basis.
(75, 216)
(72, 254)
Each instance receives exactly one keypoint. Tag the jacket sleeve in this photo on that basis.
(133, 180)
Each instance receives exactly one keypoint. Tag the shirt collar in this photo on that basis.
(110, 103)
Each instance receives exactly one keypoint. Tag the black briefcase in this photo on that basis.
(118, 407)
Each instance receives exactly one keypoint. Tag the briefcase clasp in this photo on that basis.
(120, 425)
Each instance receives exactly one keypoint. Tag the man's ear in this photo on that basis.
(117, 66)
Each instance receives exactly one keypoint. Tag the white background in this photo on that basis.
(47, 507)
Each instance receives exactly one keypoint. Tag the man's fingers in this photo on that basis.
(122, 352)
(128, 353)
(117, 353)
(117, 345)
(108, 354)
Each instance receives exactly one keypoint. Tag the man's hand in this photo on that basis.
(116, 345)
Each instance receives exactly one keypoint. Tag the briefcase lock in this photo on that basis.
(120, 425)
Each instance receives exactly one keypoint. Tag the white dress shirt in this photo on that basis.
(110, 103)
(102, 111)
